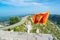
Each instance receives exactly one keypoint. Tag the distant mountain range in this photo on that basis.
(55, 19)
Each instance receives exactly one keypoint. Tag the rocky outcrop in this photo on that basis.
(6, 35)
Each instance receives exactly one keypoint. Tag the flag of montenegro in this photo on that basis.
(40, 18)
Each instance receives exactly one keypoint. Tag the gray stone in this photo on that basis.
(6, 35)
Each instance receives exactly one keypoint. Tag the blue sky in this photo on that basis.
(24, 7)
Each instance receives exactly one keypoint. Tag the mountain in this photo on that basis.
(50, 28)
(55, 19)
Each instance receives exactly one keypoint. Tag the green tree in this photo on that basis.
(14, 20)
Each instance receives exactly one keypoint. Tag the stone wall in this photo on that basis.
(6, 35)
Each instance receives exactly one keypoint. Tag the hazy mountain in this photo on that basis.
(55, 19)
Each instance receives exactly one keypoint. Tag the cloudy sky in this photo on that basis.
(23, 7)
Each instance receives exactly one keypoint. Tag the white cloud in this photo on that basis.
(12, 2)
(34, 5)
(18, 2)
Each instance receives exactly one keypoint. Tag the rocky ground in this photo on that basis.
(6, 35)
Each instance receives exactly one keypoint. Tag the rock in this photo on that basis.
(6, 35)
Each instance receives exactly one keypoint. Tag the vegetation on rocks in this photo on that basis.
(14, 20)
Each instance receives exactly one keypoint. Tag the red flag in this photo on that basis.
(41, 18)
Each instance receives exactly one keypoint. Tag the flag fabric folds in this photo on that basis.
(41, 18)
